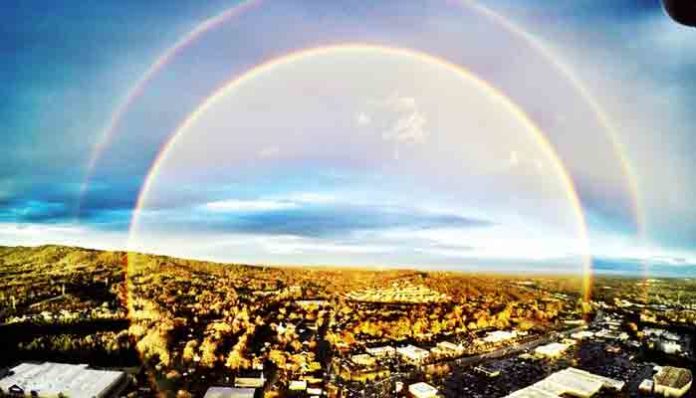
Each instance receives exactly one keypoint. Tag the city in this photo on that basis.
(179, 328)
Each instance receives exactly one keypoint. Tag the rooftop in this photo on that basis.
(552, 349)
(569, 381)
(52, 379)
(422, 390)
(229, 392)
(672, 377)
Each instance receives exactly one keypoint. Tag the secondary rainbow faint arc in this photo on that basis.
(602, 117)
(514, 29)
(502, 21)
(568, 73)
(139, 86)
(464, 74)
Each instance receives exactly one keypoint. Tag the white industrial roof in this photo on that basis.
(551, 349)
(576, 382)
(50, 379)
(229, 392)
(422, 390)
(412, 351)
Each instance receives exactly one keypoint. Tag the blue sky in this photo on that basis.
(71, 65)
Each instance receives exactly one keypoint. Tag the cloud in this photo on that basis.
(463, 252)
(63, 234)
(270, 204)
(312, 214)
(36, 211)
(408, 129)
(268, 152)
(398, 119)
(634, 266)
(338, 220)
(313, 198)
(290, 244)
(362, 119)
(496, 242)
(246, 206)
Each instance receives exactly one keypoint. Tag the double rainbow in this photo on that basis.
(209, 25)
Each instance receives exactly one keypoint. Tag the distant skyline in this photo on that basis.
(434, 135)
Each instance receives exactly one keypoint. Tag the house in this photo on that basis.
(422, 390)
(413, 354)
(230, 392)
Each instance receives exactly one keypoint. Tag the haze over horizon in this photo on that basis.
(391, 135)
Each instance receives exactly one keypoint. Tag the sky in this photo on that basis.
(494, 136)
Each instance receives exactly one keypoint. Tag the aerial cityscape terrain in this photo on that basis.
(347, 199)
(178, 327)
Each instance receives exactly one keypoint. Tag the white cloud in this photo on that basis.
(494, 242)
(409, 128)
(286, 202)
(236, 205)
(363, 119)
(444, 252)
(299, 245)
(60, 234)
(268, 152)
(398, 119)
(313, 198)
(40, 229)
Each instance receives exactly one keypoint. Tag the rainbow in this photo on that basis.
(602, 117)
(212, 23)
(492, 92)
(139, 87)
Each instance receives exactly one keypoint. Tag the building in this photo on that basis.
(670, 347)
(450, 347)
(51, 379)
(552, 350)
(499, 336)
(382, 352)
(365, 360)
(646, 386)
(413, 354)
(672, 382)
(582, 335)
(422, 390)
(297, 385)
(569, 382)
(250, 379)
(608, 383)
(447, 349)
(361, 368)
(229, 392)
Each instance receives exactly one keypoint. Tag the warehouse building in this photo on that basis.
(672, 382)
(51, 379)
(552, 350)
(569, 382)
(230, 392)
(422, 390)
(413, 354)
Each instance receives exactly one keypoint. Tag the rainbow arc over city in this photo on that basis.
(266, 66)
